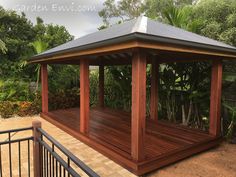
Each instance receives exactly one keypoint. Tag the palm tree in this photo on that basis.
(39, 47)
(3, 48)
(181, 18)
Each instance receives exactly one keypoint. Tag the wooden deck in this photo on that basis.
(110, 134)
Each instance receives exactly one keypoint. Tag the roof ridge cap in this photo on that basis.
(140, 25)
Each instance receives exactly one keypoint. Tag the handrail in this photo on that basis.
(72, 157)
(16, 130)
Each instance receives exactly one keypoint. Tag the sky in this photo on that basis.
(80, 17)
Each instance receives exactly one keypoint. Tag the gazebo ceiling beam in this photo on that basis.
(111, 62)
(106, 60)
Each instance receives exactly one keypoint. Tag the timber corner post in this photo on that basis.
(84, 96)
(44, 83)
(154, 89)
(37, 159)
(138, 117)
(215, 98)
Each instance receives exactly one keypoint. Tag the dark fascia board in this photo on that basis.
(178, 42)
(137, 36)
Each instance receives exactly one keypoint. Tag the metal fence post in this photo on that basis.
(36, 148)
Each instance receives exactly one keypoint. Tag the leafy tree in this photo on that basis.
(121, 10)
(23, 40)
(53, 35)
(56, 35)
(16, 32)
(218, 19)
(39, 28)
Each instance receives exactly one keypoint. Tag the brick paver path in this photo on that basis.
(217, 162)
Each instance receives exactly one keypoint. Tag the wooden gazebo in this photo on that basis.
(136, 142)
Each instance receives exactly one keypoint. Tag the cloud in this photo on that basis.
(80, 17)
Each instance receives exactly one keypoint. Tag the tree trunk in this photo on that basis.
(189, 112)
(183, 109)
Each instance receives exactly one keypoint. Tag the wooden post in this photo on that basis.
(138, 105)
(84, 96)
(215, 102)
(101, 86)
(154, 91)
(44, 85)
(36, 149)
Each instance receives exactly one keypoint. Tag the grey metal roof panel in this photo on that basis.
(163, 30)
(140, 28)
(102, 35)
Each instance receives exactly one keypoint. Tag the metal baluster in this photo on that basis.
(19, 151)
(41, 156)
(44, 149)
(10, 165)
(47, 161)
(29, 158)
(50, 162)
(68, 163)
(56, 169)
(41, 160)
(0, 161)
(60, 170)
(53, 161)
(64, 174)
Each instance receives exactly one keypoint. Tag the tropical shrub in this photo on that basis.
(14, 90)
(63, 99)
(94, 85)
(232, 122)
(184, 92)
(118, 87)
(7, 109)
(23, 108)
(26, 108)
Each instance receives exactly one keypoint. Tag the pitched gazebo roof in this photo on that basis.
(137, 43)
(140, 28)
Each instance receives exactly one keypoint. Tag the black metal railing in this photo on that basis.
(11, 144)
(65, 164)
(39, 155)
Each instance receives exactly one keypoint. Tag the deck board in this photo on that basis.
(112, 129)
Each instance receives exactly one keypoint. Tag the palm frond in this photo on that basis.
(3, 48)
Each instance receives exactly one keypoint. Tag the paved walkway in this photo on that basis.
(218, 162)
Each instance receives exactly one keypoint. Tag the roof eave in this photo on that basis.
(135, 36)
(112, 41)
